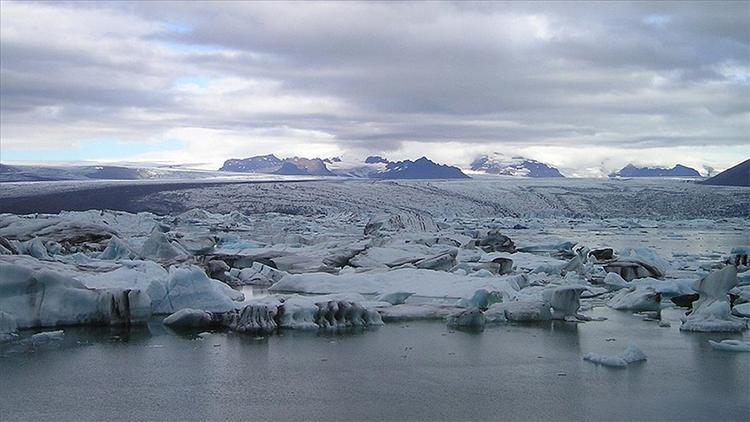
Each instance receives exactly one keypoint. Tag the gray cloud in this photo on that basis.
(379, 76)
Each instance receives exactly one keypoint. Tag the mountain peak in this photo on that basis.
(678, 170)
(501, 164)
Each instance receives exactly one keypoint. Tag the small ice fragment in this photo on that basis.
(631, 354)
(730, 345)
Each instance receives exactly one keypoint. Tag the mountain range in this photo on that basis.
(677, 171)
(374, 167)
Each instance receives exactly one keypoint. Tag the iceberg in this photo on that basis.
(636, 298)
(42, 298)
(519, 311)
(712, 311)
(565, 302)
(158, 248)
(471, 318)
(189, 318)
(116, 249)
(8, 327)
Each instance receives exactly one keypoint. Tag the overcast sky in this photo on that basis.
(587, 87)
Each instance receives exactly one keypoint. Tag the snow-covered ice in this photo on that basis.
(712, 311)
(631, 354)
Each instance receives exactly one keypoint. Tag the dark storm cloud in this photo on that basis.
(380, 74)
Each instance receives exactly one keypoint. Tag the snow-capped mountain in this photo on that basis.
(422, 168)
(274, 165)
(677, 171)
(501, 164)
(258, 164)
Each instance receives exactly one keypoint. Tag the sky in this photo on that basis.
(587, 87)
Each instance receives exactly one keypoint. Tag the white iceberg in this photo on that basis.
(117, 249)
(712, 312)
(158, 248)
(636, 298)
(631, 354)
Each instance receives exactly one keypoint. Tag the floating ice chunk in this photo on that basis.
(494, 241)
(189, 318)
(636, 298)
(562, 268)
(631, 354)
(442, 262)
(395, 298)
(712, 312)
(408, 312)
(420, 282)
(258, 274)
(116, 249)
(253, 318)
(469, 255)
(482, 273)
(35, 248)
(327, 312)
(519, 311)
(638, 263)
(741, 310)
(190, 287)
(565, 302)
(481, 299)
(44, 337)
(8, 327)
(613, 281)
(197, 243)
(730, 345)
(469, 318)
(158, 248)
(47, 299)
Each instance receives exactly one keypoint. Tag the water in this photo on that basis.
(414, 371)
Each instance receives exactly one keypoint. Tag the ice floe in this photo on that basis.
(631, 354)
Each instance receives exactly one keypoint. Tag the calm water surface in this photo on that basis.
(406, 371)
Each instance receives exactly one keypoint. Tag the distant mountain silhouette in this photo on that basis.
(738, 175)
(273, 165)
(677, 171)
(258, 164)
(422, 168)
(513, 166)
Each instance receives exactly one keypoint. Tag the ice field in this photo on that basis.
(403, 299)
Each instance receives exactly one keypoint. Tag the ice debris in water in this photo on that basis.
(712, 312)
(636, 298)
(189, 318)
(730, 345)
(631, 354)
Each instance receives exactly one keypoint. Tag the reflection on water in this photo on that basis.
(415, 370)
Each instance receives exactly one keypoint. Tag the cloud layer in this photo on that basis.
(586, 86)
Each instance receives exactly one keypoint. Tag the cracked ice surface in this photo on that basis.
(511, 251)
